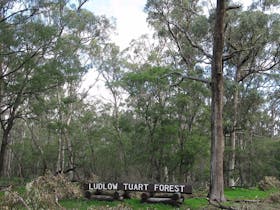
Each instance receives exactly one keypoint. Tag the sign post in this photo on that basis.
(157, 188)
(167, 193)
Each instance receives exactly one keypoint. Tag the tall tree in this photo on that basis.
(217, 90)
(168, 18)
(195, 37)
(110, 66)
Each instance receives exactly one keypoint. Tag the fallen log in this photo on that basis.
(87, 194)
(174, 196)
(168, 201)
(100, 192)
(102, 198)
(116, 195)
(126, 195)
(145, 196)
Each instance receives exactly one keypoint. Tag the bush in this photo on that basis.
(269, 182)
(43, 193)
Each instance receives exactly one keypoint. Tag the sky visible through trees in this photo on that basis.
(130, 24)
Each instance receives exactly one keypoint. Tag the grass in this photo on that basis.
(248, 194)
(195, 203)
(4, 181)
(83, 204)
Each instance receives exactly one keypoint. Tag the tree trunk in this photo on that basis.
(69, 146)
(217, 88)
(231, 164)
(233, 136)
(61, 156)
(3, 149)
(5, 142)
(60, 164)
(7, 172)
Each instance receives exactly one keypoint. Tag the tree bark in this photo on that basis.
(69, 145)
(233, 136)
(231, 164)
(217, 88)
(3, 149)
(4, 144)
(60, 164)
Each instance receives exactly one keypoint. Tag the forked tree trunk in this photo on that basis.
(217, 88)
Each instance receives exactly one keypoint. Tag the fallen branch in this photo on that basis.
(245, 201)
(219, 205)
(5, 187)
(18, 198)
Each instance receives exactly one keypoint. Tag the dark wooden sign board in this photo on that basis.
(159, 188)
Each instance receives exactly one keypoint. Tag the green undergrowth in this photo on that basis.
(83, 204)
(247, 194)
(196, 201)
(15, 181)
(193, 203)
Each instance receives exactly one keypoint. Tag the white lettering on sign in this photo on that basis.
(103, 186)
(169, 188)
(135, 187)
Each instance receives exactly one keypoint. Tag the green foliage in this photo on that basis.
(200, 27)
(198, 202)
(192, 203)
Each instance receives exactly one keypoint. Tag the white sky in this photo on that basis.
(129, 14)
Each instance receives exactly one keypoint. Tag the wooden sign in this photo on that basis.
(162, 188)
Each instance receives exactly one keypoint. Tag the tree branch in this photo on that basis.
(197, 79)
(232, 54)
(177, 43)
(81, 4)
(11, 15)
(233, 7)
(191, 42)
(219, 205)
(183, 77)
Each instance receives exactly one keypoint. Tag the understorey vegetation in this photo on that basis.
(58, 192)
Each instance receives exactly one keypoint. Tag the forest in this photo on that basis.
(200, 104)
